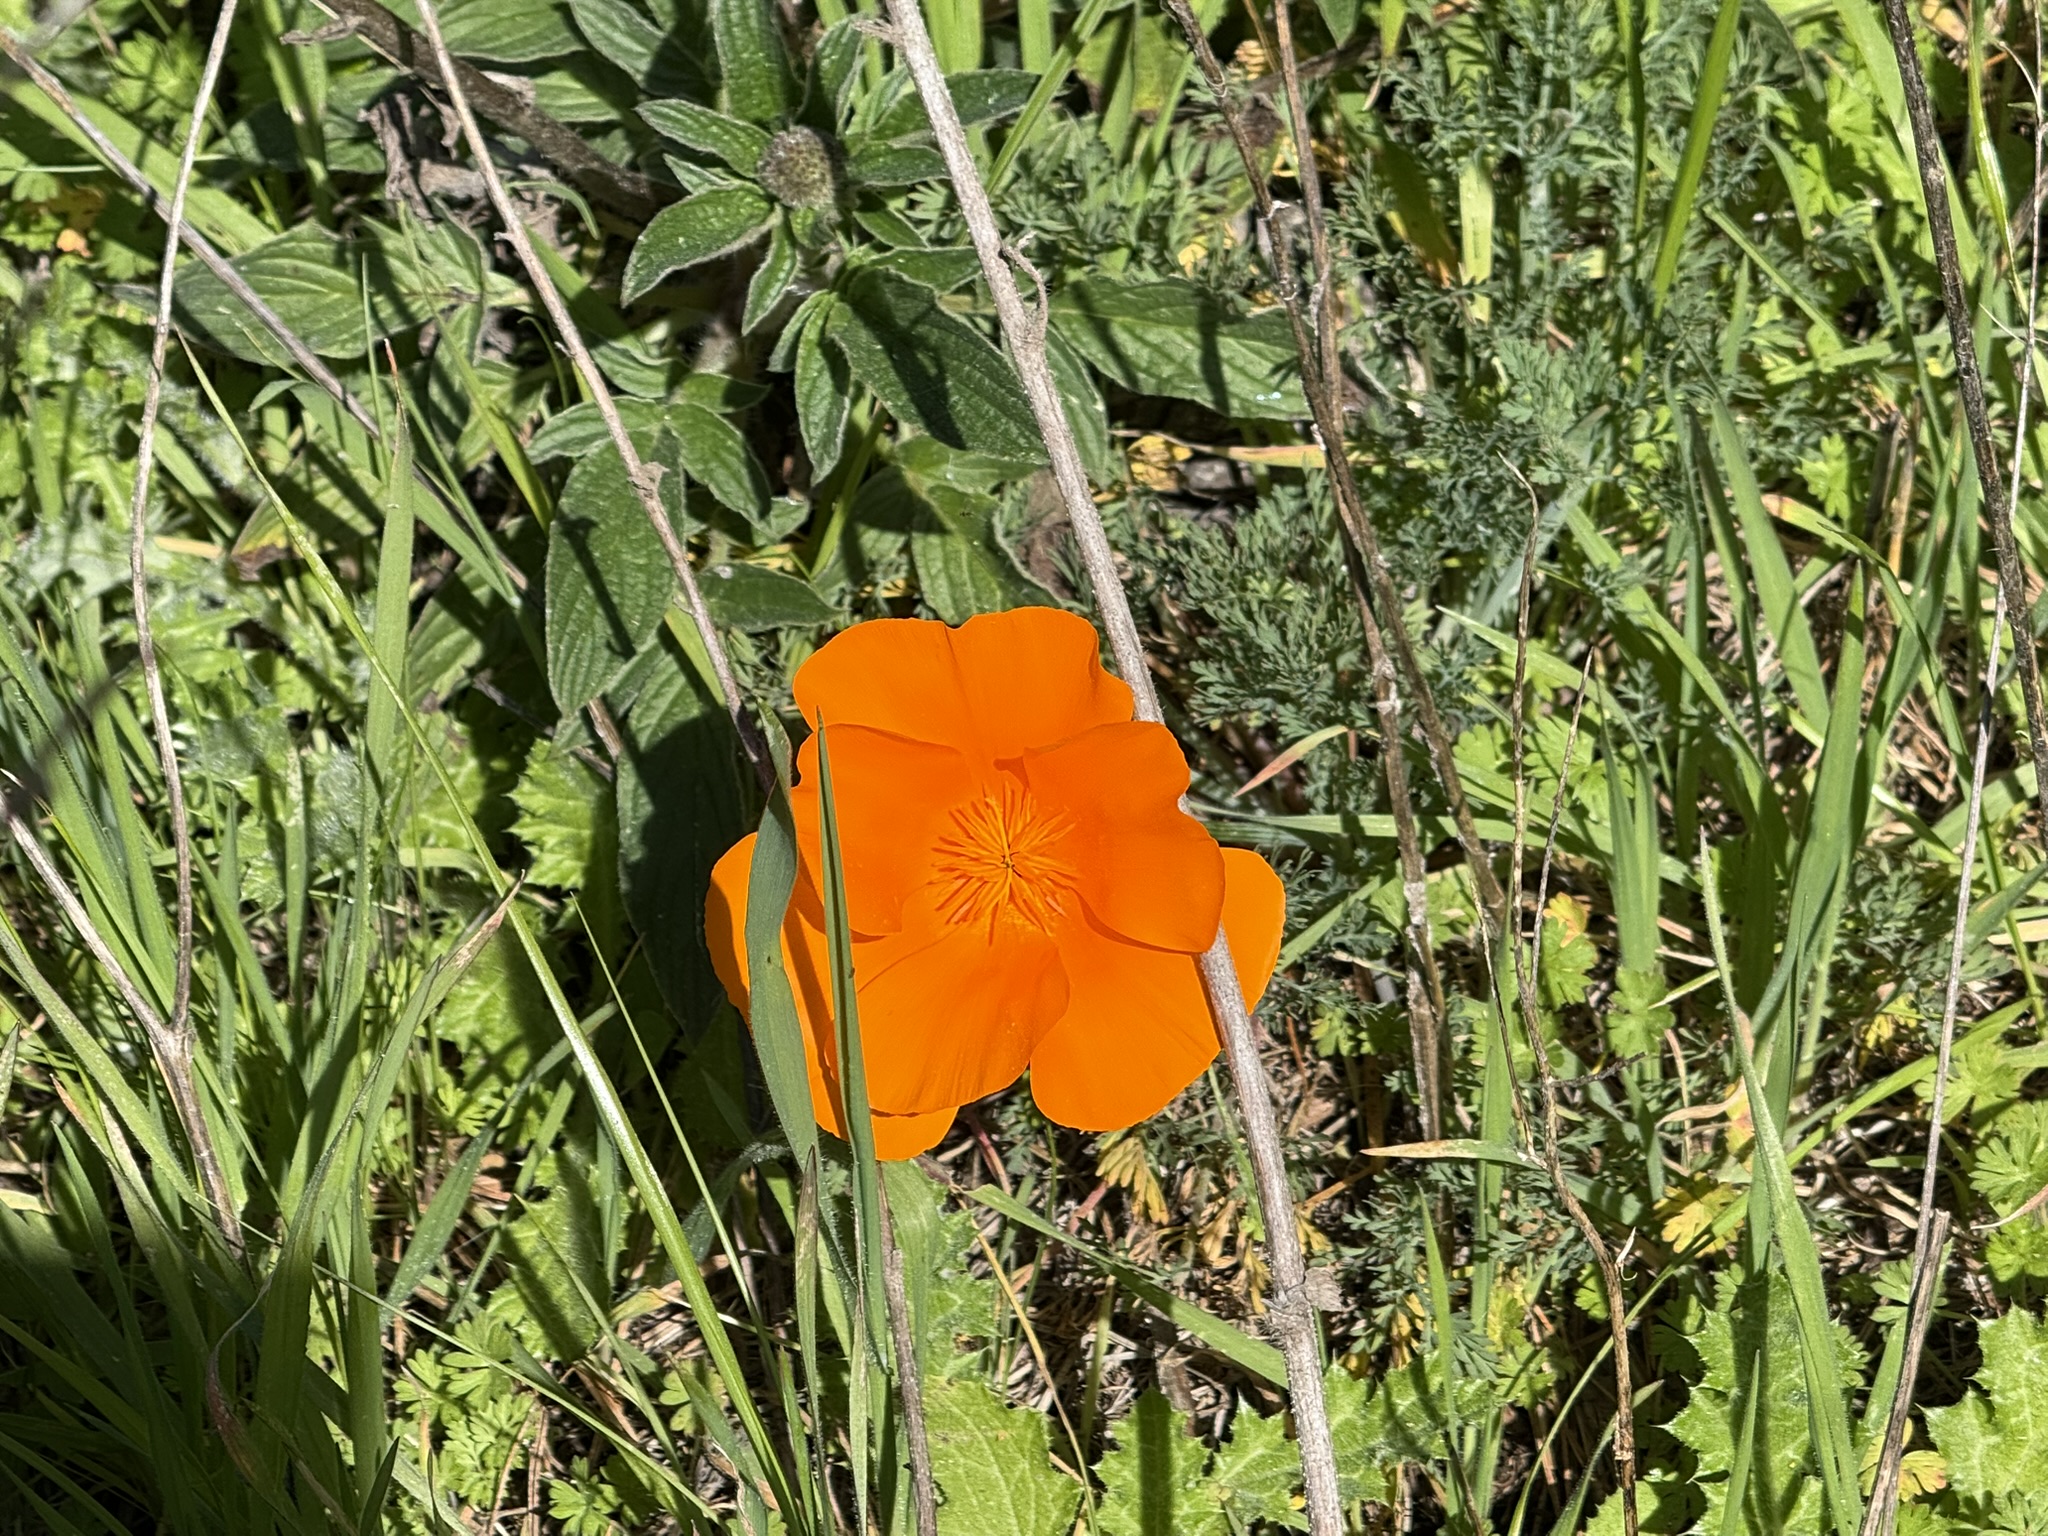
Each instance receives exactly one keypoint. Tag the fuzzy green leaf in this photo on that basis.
(505, 31)
(682, 801)
(608, 578)
(1152, 1481)
(930, 367)
(1172, 338)
(894, 165)
(824, 396)
(979, 96)
(317, 284)
(753, 597)
(992, 1465)
(1996, 1438)
(695, 230)
(738, 144)
(716, 456)
(771, 279)
(752, 60)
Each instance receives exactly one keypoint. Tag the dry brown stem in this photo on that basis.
(909, 1376)
(1425, 987)
(1294, 1310)
(1323, 384)
(2012, 581)
(618, 188)
(178, 1028)
(1527, 959)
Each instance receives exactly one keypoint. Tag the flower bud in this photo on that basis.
(799, 169)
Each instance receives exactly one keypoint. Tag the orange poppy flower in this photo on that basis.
(1022, 886)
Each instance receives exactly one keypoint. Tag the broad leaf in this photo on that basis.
(1754, 1389)
(715, 455)
(941, 270)
(894, 165)
(697, 229)
(992, 1466)
(943, 501)
(565, 820)
(1087, 417)
(824, 396)
(316, 284)
(682, 801)
(753, 597)
(581, 429)
(663, 59)
(771, 279)
(1257, 1471)
(738, 144)
(608, 578)
(752, 60)
(1996, 1438)
(930, 367)
(979, 96)
(1152, 1481)
(504, 31)
(1171, 338)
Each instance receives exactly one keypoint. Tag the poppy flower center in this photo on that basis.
(998, 863)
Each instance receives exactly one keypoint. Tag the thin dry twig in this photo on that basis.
(1881, 1514)
(1294, 1307)
(1878, 1517)
(645, 478)
(1425, 985)
(617, 187)
(1526, 960)
(1323, 384)
(2012, 583)
(178, 1029)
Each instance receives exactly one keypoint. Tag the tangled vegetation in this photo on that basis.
(423, 1177)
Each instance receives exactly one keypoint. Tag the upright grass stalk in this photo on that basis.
(1692, 161)
(1294, 1308)
(755, 1458)
(174, 1050)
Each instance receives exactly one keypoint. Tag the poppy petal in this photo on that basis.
(1138, 1029)
(896, 1136)
(894, 798)
(1146, 869)
(950, 1011)
(998, 685)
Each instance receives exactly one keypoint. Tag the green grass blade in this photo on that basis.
(1242, 1349)
(1768, 569)
(1050, 84)
(1699, 137)
(778, 1030)
(1777, 1202)
(871, 1324)
(661, 1209)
